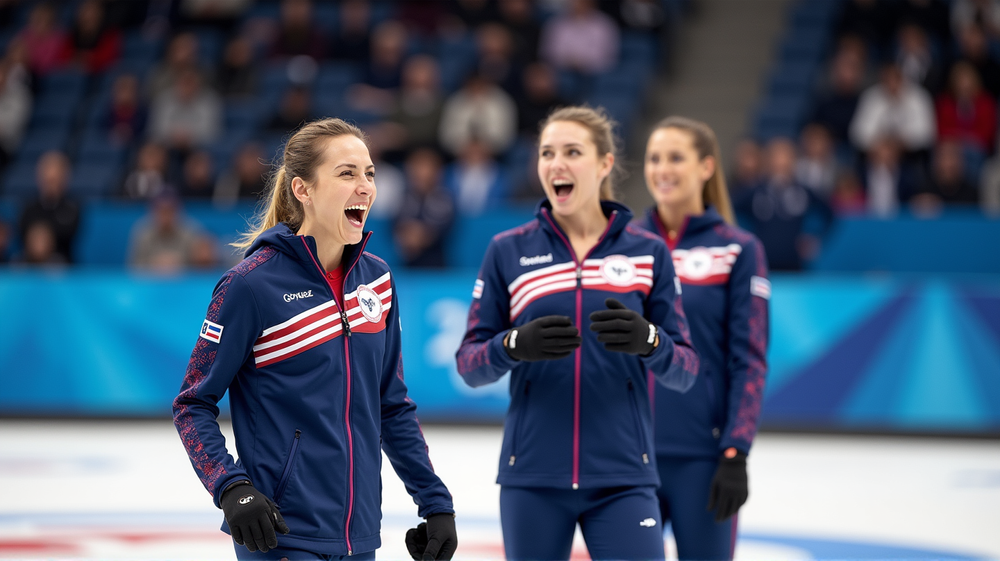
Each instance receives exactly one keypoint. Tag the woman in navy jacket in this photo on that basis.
(304, 334)
(582, 308)
(703, 436)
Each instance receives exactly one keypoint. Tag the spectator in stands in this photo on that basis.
(416, 112)
(428, 19)
(894, 107)
(835, 108)
(238, 75)
(788, 218)
(294, 109)
(748, 169)
(539, 95)
(52, 205)
(475, 179)
(496, 57)
(126, 118)
(163, 241)
(197, 176)
(887, 178)
(389, 180)
(848, 198)
(247, 177)
(581, 39)
(984, 13)
(204, 253)
(383, 71)
(42, 39)
(186, 116)
(974, 47)
(647, 16)
(966, 113)
(948, 182)
(427, 212)
(479, 109)
(15, 111)
(181, 56)
(39, 245)
(929, 15)
(519, 18)
(149, 177)
(297, 32)
(91, 44)
(351, 40)
(916, 59)
(816, 167)
(989, 187)
(872, 20)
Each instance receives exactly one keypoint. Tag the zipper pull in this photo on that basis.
(347, 324)
(579, 275)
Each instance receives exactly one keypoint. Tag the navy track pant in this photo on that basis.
(616, 522)
(293, 554)
(683, 494)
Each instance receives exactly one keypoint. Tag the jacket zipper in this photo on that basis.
(347, 400)
(520, 423)
(279, 492)
(579, 320)
(635, 419)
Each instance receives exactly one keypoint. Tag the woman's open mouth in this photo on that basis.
(562, 188)
(356, 215)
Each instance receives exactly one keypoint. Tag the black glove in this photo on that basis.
(729, 486)
(543, 338)
(623, 330)
(252, 517)
(434, 539)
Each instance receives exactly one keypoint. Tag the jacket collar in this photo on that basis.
(618, 214)
(281, 238)
(692, 224)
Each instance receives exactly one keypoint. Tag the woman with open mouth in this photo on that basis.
(584, 310)
(313, 368)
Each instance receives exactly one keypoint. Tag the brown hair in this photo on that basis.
(703, 138)
(302, 155)
(601, 128)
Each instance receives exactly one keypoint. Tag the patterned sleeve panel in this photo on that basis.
(481, 357)
(674, 362)
(402, 436)
(749, 294)
(224, 344)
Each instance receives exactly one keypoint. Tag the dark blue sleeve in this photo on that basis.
(402, 438)
(749, 292)
(210, 371)
(481, 357)
(674, 363)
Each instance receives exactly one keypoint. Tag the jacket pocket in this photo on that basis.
(518, 424)
(640, 435)
(286, 472)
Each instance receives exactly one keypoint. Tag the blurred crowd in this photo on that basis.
(191, 100)
(903, 118)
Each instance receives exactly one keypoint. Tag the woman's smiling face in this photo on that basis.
(569, 167)
(343, 189)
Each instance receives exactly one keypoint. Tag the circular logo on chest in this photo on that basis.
(618, 270)
(697, 264)
(371, 304)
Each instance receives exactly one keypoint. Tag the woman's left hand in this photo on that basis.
(623, 330)
(434, 539)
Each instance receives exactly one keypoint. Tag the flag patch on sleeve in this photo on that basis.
(477, 291)
(759, 286)
(211, 331)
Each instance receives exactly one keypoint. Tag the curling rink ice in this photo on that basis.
(125, 490)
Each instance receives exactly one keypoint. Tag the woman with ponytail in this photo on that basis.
(703, 437)
(304, 335)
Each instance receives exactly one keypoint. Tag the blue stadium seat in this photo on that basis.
(805, 44)
(638, 47)
(138, 50)
(39, 140)
(467, 249)
(64, 83)
(95, 179)
(621, 107)
(19, 179)
(813, 13)
(790, 78)
(780, 116)
(54, 109)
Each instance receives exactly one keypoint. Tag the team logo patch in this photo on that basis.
(477, 291)
(211, 331)
(759, 286)
(371, 304)
(617, 270)
(697, 264)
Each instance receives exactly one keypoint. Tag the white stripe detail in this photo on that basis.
(372, 286)
(305, 342)
(540, 283)
(527, 277)
(298, 332)
(550, 287)
(297, 318)
(600, 280)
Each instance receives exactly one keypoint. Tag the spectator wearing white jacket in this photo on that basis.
(479, 110)
(894, 108)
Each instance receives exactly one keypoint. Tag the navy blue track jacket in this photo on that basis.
(723, 271)
(584, 420)
(310, 406)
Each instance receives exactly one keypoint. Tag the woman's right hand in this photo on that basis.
(252, 517)
(544, 338)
